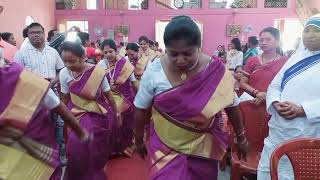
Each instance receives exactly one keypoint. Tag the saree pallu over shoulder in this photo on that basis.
(188, 128)
(22, 102)
(153, 55)
(20, 165)
(222, 97)
(93, 82)
(212, 89)
(27, 158)
(83, 93)
(126, 71)
(122, 52)
(123, 71)
(141, 65)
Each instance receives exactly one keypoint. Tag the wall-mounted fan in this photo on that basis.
(247, 29)
(98, 31)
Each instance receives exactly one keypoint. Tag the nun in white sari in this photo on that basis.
(293, 100)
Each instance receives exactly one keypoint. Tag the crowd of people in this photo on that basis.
(69, 105)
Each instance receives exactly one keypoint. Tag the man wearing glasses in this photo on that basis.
(46, 62)
(38, 57)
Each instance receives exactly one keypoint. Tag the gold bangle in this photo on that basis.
(241, 134)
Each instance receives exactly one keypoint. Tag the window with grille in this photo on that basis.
(275, 3)
(126, 4)
(232, 3)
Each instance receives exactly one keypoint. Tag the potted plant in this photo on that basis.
(70, 4)
(123, 30)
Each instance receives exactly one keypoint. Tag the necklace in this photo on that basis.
(111, 75)
(79, 77)
(269, 60)
(184, 75)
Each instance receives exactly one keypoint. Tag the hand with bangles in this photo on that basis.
(234, 114)
(243, 145)
(260, 97)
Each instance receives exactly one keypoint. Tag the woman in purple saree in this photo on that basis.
(139, 60)
(186, 91)
(27, 141)
(87, 93)
(119, 73)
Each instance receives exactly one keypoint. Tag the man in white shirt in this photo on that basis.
(46, 62)
(293, 100)
(38, 57)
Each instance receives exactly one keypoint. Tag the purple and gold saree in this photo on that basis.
(123, 94)
(86, 160)
(34, 156)
(186, 139)
(140, 66)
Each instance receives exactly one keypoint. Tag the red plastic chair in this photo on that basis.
(304, 155)
(256, 125)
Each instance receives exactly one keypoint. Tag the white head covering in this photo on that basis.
(314, 21)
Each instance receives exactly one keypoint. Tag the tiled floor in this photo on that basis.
(127, 169)
(136, 169)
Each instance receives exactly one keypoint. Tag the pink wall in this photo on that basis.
(15, 12)
(214, 20)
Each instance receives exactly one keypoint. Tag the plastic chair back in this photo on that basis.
(304, 155)
(256, 121)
